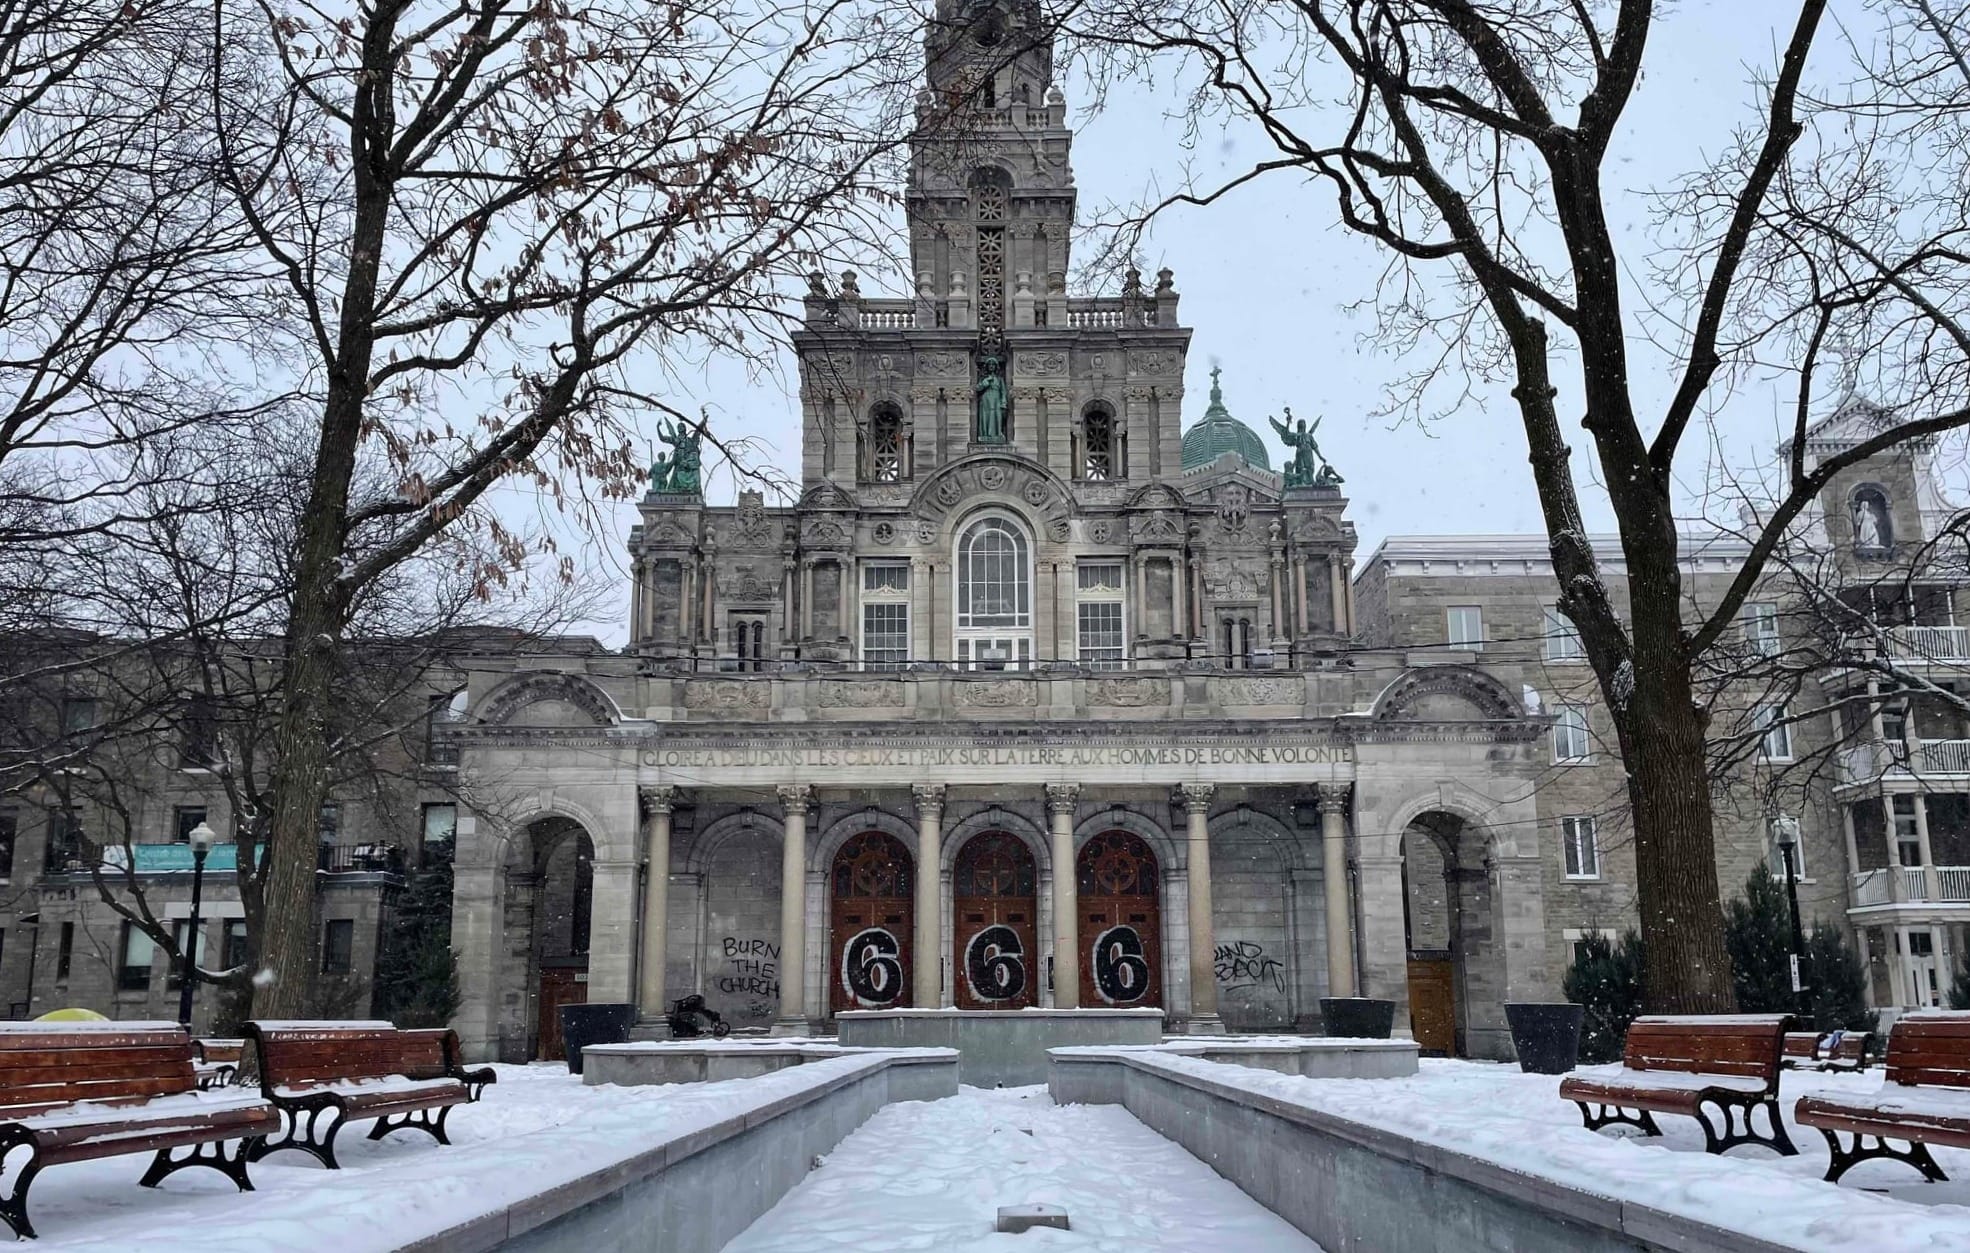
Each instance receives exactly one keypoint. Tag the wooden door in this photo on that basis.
(1121, 923)
(559, 985)
(874, 913)
(1433, 1005)
(994, 942)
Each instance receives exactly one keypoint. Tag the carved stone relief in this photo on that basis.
(1131, 692)
(1154, 361)
(1267, 691)
(995, 694)
(1041, 363)
(726, 694)
(745, 582)
(862, 694)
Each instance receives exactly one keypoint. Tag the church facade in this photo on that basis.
(1029, 699)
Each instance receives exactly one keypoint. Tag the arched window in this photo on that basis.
(1098, 444)
(1874, 528)
(885, 457)
(994, 572)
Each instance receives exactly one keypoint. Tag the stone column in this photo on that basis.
(788, 630)
(1931, 881)
(1894, 848)
(1337, 587)
(1204, 1018)
(657, 804)
(1278, 600)
(1334, 869)
(1061, 798)
(1299, 593)
(927, 961)
(793, 911)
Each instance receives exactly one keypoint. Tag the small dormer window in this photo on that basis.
(1873, 526)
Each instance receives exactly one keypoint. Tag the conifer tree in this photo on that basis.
(1839, 981)
(1758, 935)
(417, 970)
(1606, 979)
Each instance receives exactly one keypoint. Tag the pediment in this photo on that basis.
(1447, 694)
(548, 699)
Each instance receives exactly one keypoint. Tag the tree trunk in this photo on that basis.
(1687, 969)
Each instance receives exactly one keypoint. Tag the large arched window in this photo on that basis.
(994, 571)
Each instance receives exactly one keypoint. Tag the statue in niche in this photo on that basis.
(1870, 521)
(679, 471)
(990, 427)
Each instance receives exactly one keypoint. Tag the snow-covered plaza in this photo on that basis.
(923, 1175)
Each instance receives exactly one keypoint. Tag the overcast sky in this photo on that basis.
(1266, 277)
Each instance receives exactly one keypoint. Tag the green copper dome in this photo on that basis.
(1217, 432)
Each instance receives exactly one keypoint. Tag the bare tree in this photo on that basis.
(1473, 135)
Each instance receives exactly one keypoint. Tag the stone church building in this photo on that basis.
(1031, 698)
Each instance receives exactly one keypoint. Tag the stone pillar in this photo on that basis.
(657, 804)
(1278, 599)
(1061, 798)
(1337, 587)
(1894, 848)
(1204, 1018)
(793, 911)
(788, 631)
(1299, 593)
(1931, 881)
(1334, 869)
(927, 963)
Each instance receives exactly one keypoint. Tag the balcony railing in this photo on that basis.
(1864, 763)
(1930, 643)
(1877, 887)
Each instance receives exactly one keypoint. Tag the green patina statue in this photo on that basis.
(1300, 470)
(678, 473)
(991, 425)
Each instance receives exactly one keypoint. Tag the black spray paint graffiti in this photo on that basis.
(753, 969)
(1244, 964)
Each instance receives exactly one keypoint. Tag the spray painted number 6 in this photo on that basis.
(992, 963)
(1120, 972)
(870, 969)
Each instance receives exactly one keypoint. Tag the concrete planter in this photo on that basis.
(1546, 1035)
(603, 1022)
(1359, 1017)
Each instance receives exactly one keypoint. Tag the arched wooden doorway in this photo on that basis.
(871, 896)
(1121, 924)
(561, 906)
(994, 902)
(1447, 915)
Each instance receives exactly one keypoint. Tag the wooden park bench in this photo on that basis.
(1680, 1065)
(1820, 1050)
(1923, 1100)
(217, 1061)
(73, 1092)
(324, 1075)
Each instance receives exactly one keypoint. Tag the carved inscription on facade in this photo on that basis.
(913, 757)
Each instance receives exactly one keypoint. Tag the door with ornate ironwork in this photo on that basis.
(1121, 922)
(871, 897)
(994, 900)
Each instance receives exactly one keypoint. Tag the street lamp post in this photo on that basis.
(201, 838)
(1785, 832)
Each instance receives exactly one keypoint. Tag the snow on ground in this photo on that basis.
(931, 1175)
(537, 1127)
(1517, 1120)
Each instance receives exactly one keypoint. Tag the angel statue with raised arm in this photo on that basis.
(678, 473)
(1306, 451)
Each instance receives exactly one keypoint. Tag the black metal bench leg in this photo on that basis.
(1640, 1118)
(13, 1204)
(1841, 1160)
(304, 1132)
(1739, 1113)
(413, 1120)
(212, 1153)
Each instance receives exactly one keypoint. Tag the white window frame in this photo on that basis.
(1565, 727)
(969, 637)
(1760, 621)
(878, 582)
(1116, 595)
(1576, 868)
(1562, 637)
(1775, 733)
(1457, 638)
(1914, 821)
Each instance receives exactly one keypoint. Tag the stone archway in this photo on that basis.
(549, 906)
(995, 942)
(1116, 882)
(1455, 960)
(872, 914)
